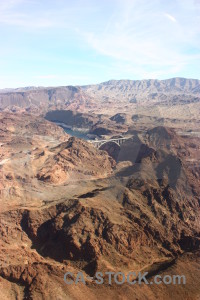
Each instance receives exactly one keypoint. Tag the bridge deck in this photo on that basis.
(109, 140)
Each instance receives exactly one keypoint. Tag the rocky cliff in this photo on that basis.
(139, 212)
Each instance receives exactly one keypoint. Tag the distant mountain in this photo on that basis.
(22, 89)
(168, 85)
(136, 90)
(40, 99)
(176, 90)
(172, 98)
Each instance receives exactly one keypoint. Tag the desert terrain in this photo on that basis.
(67, 205)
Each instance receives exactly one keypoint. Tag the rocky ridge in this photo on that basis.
(139, 212)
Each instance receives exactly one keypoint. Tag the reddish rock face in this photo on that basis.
(66, 206)
(75, 159)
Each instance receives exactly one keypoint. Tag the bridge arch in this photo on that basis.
(118, 141)
(112, 147)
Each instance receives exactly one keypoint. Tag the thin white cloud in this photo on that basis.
(170, 17)
(35, 14)
(139, 36)
(132, 37)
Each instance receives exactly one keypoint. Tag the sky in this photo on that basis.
(62, 42)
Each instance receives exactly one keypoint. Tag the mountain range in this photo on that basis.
(130, 205)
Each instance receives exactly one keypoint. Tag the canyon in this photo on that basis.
(68, 206)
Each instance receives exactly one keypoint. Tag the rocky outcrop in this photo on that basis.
(68, 207)
(75, 160)
(72, 118)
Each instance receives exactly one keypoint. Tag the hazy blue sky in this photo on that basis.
(57, 42)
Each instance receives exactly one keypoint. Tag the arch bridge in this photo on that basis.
(119, 141)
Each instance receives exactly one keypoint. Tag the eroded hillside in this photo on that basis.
(67, 206)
